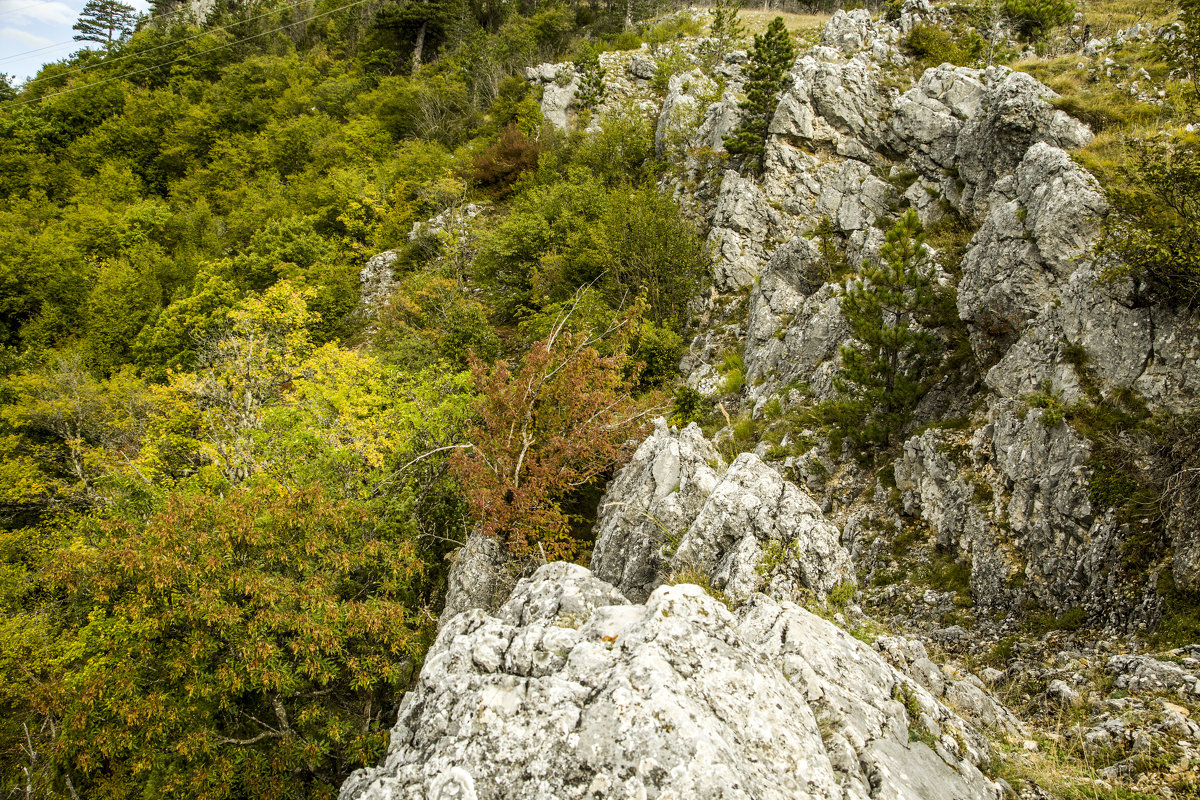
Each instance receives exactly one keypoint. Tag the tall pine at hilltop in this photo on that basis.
(105, 22)
(766, 76)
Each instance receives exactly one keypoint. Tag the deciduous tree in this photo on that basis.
(251, 646)
(561, 418)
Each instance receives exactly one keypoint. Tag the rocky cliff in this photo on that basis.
(629, 681)
(570, 691)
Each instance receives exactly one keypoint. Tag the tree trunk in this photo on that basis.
(418, 46)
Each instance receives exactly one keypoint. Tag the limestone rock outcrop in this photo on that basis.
(377, 281)
(1012, 499)
(572, 692)
(677, 509)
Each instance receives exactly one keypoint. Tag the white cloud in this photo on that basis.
(22, 12)
(23, 38)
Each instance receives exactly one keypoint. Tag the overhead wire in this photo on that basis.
(15, 103)
(202, 33)
(184, 8)
(36, 50)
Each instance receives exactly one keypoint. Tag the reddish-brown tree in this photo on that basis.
(561, 418)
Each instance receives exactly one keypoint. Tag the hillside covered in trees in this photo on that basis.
(300, 302)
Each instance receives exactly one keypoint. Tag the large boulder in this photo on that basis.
(676, 509)
(928, 117)
(833, 105)
(849, 32)
(570, 692)
(1012, 500)
(1015, 114)
(1039, 226)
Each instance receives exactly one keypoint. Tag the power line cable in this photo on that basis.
(234, 43)
(202, 33)
(181, 10)
(37, 50)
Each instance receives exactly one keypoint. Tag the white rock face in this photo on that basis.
(929, 116)
(1014, 115)
(1053, 547)
(795, 327)
(852, 31)
(570, 692)
(377, 282)
(745, 228)
(676, 507)
(1040, 224)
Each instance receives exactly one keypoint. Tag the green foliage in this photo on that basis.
(689, 406)
(894, 312)
(1033, 19)
(1152, 236)
(668, 65)
(658, 349)
(948, 574)
(766, 76)
(1054, 411)
(1184, 50)
(1041, 622)
(933, 45)
(841, 595)
(652, 251)
(833, 261)
(209, 661)
(630, 241)
(591, 79)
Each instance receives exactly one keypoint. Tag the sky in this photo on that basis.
(33, 33)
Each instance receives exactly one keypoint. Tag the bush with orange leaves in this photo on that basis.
(554, 422)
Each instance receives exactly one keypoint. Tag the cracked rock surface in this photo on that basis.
(572, 692)
(677, 508)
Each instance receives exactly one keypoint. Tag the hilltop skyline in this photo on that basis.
(36, 33)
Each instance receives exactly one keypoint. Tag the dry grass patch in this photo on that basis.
(804, 27)
(1108, 16)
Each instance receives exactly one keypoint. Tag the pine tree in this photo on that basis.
(105, 22)
(591, 79)
(725, 30)
(893, 311)
(766, 77)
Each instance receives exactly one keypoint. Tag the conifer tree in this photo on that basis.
(766, 77)
(591, 79)
(105, 22)
(893, 311)
(725, 30)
